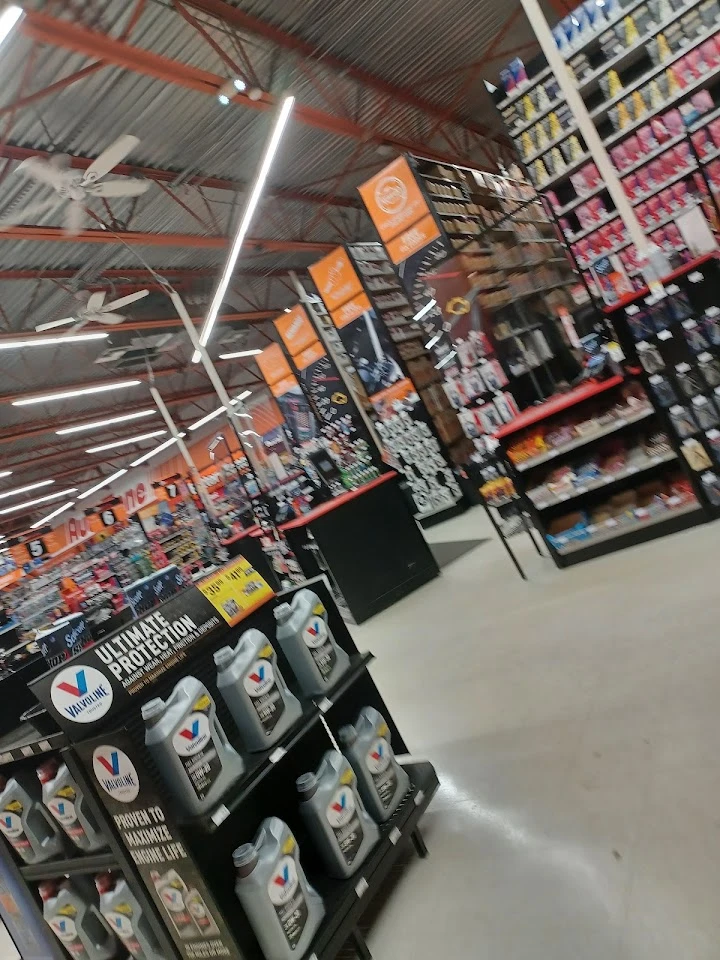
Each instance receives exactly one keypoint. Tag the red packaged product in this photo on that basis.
(673, 235)
(660, 132)
(682, 69)
(681, 194)
(696, 63)
(667, 200)
(552, 197)
(703, 143)
(645, 179)
(642, 213)
(633, 148)
(655, 209)
(632, 187)
(673, 123)
(582, 250)
(647, 140)
(618, 229)
(710, 53)
(677, 74)
(714, 130)
(592, 176)
(620, 158)
(683, 157)
(699, 182)
(655, 172)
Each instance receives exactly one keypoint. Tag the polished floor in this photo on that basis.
(574, 723)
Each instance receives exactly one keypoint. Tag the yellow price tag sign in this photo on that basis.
(235, 590)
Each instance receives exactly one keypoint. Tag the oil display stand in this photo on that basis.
(163, 850)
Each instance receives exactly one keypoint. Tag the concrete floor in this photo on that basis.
(574, 722)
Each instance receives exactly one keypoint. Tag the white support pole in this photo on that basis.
(585, 125)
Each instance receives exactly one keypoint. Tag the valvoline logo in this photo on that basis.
(81, 695)
(341, 808)
(284, 882)
(315, 633)
(115, 773)
(64, 928)
(193, 735)
(260, 679)
(378, 756)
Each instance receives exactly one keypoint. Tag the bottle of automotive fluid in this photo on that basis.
(172, 891)
(381, 780)
(76, 921)
(126, 918)
(190, 746)
(335, 816)
(257, 696)
(26, 824)
(302, 632)
(201, 916)
(66, 803)
(283, 909)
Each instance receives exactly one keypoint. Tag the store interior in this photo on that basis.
(329, 362)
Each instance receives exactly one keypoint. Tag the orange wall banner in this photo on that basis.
(284, 386)
(273, 364)
(296, 330)
(336, 278)
(394, 200)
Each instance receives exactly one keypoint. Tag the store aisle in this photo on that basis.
(573, 721)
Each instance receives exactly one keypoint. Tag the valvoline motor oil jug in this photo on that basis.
(335, 816)
(303, 633)
(381, 780)
(24, 821)
(76, 921)
(190, 747)
(253, 687)
(66, 803)
(283, 909)
(125, 917)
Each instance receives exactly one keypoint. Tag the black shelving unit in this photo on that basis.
(199, 849)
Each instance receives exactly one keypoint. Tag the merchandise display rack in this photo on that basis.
(199, 849)
(649, 73)
(620, 479)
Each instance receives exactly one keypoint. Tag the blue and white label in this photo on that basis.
(115, 773)
(81, 694)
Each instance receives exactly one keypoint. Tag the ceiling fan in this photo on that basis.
(77, 186)
(95, 310)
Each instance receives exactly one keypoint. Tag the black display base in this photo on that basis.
(643, 534)
(455, 511)
(92, 863)
(347, 900)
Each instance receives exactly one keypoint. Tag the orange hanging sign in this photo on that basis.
(393, 199)
(273, 364)
(296, 330)
(413, 239)
(351, 311)
(336, 278)
(283, 386)
(314, 352)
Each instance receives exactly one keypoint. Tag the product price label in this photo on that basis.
(235, 590)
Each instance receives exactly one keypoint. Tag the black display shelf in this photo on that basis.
(71, 866)
(263, 763)
(27, 741)
(347, 900)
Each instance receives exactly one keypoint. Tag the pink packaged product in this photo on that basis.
(673, 122)
(673, 235)
(659, 132)
(641, 211)
(699, 182)
(682, 69)
(683, 156)
(655, 172)
(696, 63)
(681, 194)
(714, 129)
(592, 176)
(645, 179)
(710, 53)
(631, 186)
(713, 172)
(620, 157)
(565, 225)
(552, 197)
(655, 210)
(667, 200)
(702, 101)
(582, 250)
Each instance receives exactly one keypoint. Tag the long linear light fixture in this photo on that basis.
(206, 419)
(80, 392)
(8, 19)
(103, 483)
(158, 449)
(5, 473)
(106, 423)
(51, 516)
(125, 443)
(240, 353)
(49, 341)
(250, 208)
(32, 503)
(26, 489)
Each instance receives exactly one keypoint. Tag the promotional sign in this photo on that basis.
(65, 640)
(101, 681)
(273, 365)
(191, 917)
(336, 278)
(394, 200)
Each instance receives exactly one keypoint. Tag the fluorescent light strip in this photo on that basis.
(106, 423)
(254, 199)
(49, 341)
(239, 353)
(243, 396)
(152, 453)
(8, 19)
(206, 419)
(447, 359)
(431, 343)
(5, 473)
(103, 483)
(25, 489)
(426, 309)
(126, 443)
(51, 516)
(31, 503)
(80, 392)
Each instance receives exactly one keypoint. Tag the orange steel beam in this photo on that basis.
(13, 152)
(236, 17)
(166, 323)
(134, 238)
(60, 33)
(132, 273)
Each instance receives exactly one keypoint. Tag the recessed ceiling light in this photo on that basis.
(103, 483)
(106, 423)
(25, 489)
(32, 503)
(127, 442)
(79, 392)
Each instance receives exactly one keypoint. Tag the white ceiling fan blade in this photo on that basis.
(55, 323)
(27, 213)
(111, 318)
(74, 218)
(96, 300)
(118, 188)
(43, 170)
(124, 301)
(110, 158)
